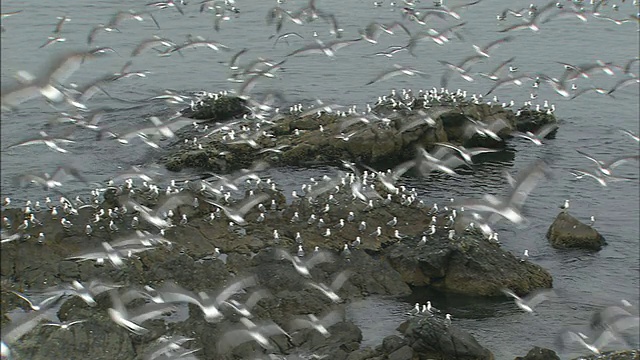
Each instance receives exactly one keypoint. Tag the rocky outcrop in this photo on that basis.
(310, 138)
(568, 232)
(468, 265)
(431, 337)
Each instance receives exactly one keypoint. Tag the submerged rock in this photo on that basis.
(568, 232)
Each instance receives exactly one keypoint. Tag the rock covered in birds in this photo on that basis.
(568, 232)
(326, 134)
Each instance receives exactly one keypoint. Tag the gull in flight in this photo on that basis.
(320, 325)
(237, 215)
(529, 302)
(336, 284)
(252, 332)
(538, 136)
(304, 266)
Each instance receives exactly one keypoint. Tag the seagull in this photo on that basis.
(598, 176)
(484, 51)
(237, 215)
(336, 284)
(320, 325)
(595, 347)
(528, 303)
(607, 167)
(631, 134)
(304, 266)
(565, 206)
(397, 70)
(48, 140)
(510, 207)
(467, 154)
(170, 292)
(66, 325)
(130, 319)
(525, 256)
(252, 332)
(244, 309)
(538, 136)
(415, 310)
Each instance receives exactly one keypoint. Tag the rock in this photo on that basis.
(364, 354)
(374, 143)
(392, 343)
(468, 265)
(538, 353)
(430, 338)
(404, 353)
(568, 232)
(218, 109)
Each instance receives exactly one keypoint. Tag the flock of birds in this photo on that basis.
(78, 106)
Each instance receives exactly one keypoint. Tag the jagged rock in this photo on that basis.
(430, 338)
(538, 353)
(468, 265)
(568, 232)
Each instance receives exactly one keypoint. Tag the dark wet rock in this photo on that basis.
(568, 232)
(468, 265)
(372, 144)
(431, 338)
(538, 353)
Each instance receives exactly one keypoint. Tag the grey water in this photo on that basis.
(590, 122)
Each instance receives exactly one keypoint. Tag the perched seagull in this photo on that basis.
(528, 303)
(565, 206)
(336, 284)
